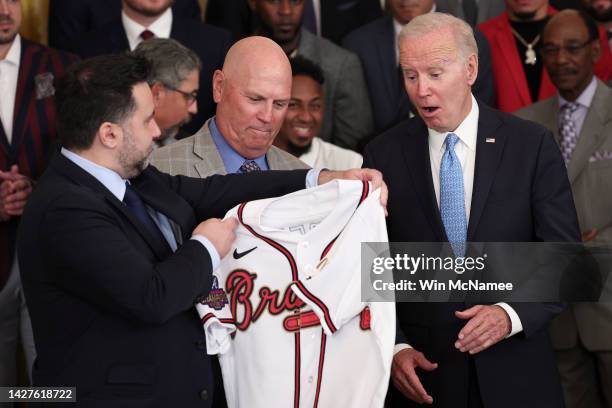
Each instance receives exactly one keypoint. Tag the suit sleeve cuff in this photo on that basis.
(212, 251)
(399, 347)
(515, 321)
(312, 178)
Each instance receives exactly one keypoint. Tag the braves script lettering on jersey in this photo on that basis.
(286, 314)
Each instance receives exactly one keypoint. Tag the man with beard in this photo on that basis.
(581, 120)
(117, 253)
(601, 10)
(300, 130)
(174, 83)
(348, 114)
(143, 19)
(515, 38)
(27, 131)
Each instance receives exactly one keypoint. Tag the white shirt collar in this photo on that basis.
(160, 27)
(586, 97)
(110, 179)
(14, 54)
(467, 131)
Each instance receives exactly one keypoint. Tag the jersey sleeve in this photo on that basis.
(216, 318)
(334, 291)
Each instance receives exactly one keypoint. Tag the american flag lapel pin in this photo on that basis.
(490, 140)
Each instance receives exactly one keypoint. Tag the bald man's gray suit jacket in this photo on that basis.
(197, 156)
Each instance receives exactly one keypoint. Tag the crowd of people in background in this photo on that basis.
(546, 61)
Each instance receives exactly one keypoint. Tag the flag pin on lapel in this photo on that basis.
(490, 140)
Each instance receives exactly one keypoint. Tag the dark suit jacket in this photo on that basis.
(33, 127)
(338, 17)
(208, 42)
(69, 19)
(112, 311)
(521, 194)
(374, 43)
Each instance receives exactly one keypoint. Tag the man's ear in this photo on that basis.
(158, 90)
(110, 135)
(472, 68)
(218, 85)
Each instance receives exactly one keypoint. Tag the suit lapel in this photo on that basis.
(179, 213)
(81, 177)
(591, 134)
(205, 149)
(488, 157)
(416, 152)
(24, 95)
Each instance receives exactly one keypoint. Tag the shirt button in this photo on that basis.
(203, 395)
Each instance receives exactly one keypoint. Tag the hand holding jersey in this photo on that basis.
(285, 312)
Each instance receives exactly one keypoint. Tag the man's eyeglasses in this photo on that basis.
(190, 97)
(550, 51)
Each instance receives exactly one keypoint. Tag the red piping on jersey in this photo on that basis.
(320, 373)
(208, 316)
(296, 397)
(307, 319)
(272, 243)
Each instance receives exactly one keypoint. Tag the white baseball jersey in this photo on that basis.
(285, 313)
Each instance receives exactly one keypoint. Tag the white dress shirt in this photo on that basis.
(160, 27)
(9, 73)
(324, 155)
(316, 5)
(465, 149)
(584, 103)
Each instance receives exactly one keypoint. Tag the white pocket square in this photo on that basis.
(600, 155)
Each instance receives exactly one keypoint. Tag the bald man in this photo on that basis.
(252, 93)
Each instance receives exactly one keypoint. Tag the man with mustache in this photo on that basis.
(581, 120)
(27, 131)
(515, 38)
(175, 81)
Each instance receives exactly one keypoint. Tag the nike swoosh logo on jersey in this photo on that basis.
(238, 255)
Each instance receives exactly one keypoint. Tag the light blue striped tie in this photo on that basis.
(452, 204)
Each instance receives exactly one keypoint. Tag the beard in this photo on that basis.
(8, 35)
(296, 150)
(132, 160)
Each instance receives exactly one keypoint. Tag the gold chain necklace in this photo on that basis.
(530, 55)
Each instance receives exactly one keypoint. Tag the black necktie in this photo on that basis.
(133, 201)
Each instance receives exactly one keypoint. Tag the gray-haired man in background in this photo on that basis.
(174, 82)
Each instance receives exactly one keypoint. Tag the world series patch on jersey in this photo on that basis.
(285, 312)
